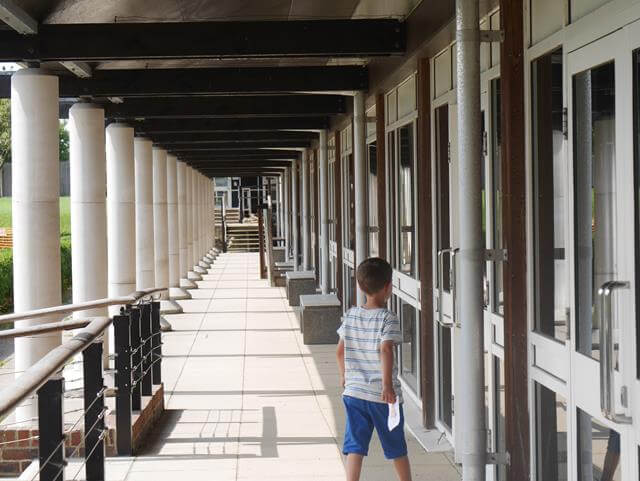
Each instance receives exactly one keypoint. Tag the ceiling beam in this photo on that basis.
(242, 137)
(237, 161)
(17, 19)
(240, 154)
(206, 40)
(271, 164)
(258, 124)
(221, 107)
(234, 146)
(203, 81)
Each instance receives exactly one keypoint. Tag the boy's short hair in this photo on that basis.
(373, 275)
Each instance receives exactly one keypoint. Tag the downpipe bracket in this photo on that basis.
(500, 459)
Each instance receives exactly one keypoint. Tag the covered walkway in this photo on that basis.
(246, 399)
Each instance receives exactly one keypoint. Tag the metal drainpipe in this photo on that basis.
(295, 221)
(324, 212)
(471, 254)
(360, 184)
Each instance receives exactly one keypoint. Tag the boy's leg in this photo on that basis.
(354, 466)
(402, 467)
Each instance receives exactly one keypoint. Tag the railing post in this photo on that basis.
(261, 238)
(122, 335)
(145, 333)
(156, 345)
(94, 412)
(51, 428)
(136, 358)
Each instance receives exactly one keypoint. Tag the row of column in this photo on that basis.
(153, 227)
(298, 210)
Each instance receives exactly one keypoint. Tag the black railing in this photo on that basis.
(138, 358)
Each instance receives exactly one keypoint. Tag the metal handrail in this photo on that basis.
(38, 374)
(79, 306)
(452, 286)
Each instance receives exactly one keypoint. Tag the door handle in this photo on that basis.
(452, 252)
(607, 369)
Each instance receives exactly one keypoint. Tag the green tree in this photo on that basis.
(5, 131)
(5, 134)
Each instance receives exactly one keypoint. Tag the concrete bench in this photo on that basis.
(320, 318)
(299, 283)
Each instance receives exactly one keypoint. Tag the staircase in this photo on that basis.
(242, 237)
(232, 216)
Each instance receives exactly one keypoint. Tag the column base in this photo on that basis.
(200, 270)
(187, 284)
(194, 276)
(210, 257)
(178, 293)
(165, 326)
(204, 263)
(169, 306)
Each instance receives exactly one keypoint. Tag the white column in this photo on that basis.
(287, 214)
(160, 234)
(295, 221)
(174, 230)
(145, 260)
(195, 221)
(121, 228)
(190, 213)
(36, 211)
(182, 221)
(323, 168)
(87, 165)
(360, 179)
(306, 225)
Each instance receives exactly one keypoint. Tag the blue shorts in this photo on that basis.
(362, 417)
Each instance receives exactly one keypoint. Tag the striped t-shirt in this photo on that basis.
(363, 330)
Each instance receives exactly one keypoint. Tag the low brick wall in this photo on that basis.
(16, 457)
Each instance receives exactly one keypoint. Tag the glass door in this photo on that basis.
(603, 348)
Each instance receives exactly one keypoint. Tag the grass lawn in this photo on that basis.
(65, 214)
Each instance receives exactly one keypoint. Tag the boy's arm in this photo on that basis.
(386, 359)
(340, 357)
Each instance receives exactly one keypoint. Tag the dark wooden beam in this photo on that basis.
(249, 124)
(514, 226)
(240, 154)
(425, 260)
(381, 175)
(207, 81)
(221, 107)
(207, 39)
(240, 164)
(212, 146)
(337, 182)
(176, 138)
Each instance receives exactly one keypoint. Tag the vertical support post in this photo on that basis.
(156, 344)
(323, 168)
(87, 165)
(287, 213)
(145, 260)
(514, 220)
(280, 189)
(471, 399)
(337, 172)
(261, 243)
(381, 139)
(51, 429)
(223, 223)
(94, 452)
(295, 218)
(160, 219)
(195, 221)
(36, 210)
(122, 336)
(173, 227)
(182, 218)
(136, 358)
(360, 184)
(147, 339)
(306, 226)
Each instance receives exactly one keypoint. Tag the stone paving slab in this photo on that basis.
(246, 399)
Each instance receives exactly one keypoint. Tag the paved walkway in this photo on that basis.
(246, 400)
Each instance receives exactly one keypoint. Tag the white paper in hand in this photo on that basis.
(394, 415)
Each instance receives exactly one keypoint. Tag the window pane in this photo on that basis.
(349, 286)
(594, 166)
(405, 199)
(496, 163)
(636, 138)
(408, 352)
(391, 156)
(598, 450)
(549, 186)
(551, 435)
(442, 168)
(445, 413)
(372, 192)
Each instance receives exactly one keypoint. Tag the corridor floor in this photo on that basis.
(246, 400)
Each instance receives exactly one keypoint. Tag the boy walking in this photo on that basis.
(369, 374)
